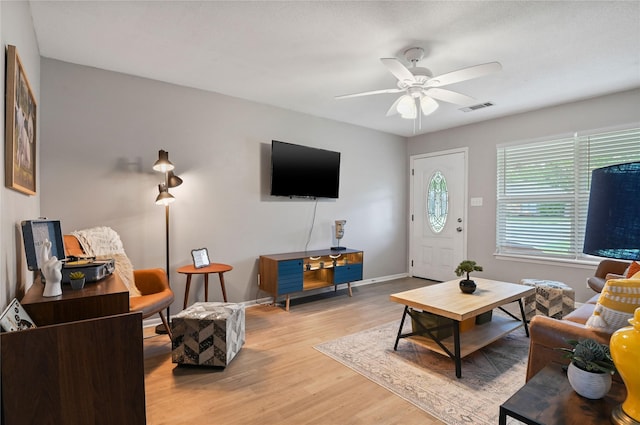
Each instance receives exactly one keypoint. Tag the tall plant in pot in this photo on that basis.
(467, 266)
(591, 367)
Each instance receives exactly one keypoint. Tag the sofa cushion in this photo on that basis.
(581, 314)
(616, 304)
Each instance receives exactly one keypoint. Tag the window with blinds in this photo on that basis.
(543, 191)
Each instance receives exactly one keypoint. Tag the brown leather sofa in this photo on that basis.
(546, 334)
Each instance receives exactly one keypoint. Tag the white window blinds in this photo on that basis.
(543, 191)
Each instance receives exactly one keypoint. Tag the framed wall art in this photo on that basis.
(20, 127)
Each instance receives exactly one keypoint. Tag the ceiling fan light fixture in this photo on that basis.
(428, 105)
(407, 107)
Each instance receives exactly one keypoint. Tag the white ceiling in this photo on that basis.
(299, 55)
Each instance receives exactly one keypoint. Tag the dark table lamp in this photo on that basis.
(613, 231)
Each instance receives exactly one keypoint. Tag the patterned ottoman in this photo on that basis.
(553, 299)
(207, 334)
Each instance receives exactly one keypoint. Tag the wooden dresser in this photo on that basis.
(84, 362)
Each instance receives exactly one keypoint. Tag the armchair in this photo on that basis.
(156, 295)
(607, 267)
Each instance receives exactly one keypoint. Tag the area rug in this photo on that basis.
(427, 379)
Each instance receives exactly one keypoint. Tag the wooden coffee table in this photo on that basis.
(446, 300)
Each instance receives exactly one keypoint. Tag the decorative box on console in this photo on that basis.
(208, 334)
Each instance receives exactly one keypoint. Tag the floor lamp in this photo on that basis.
(163, 165)
(613, 231)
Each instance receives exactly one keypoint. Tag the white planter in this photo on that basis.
(588, 384)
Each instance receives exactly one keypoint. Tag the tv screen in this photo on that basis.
(302, 171)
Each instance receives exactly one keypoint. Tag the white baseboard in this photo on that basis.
(155, 320)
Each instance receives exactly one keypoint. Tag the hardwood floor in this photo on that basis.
(278, 377)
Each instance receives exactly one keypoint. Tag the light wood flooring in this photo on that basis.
(278, 377)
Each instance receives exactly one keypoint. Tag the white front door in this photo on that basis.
(438, 214)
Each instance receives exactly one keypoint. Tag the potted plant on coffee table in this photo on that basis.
(77, 280)
(467, 266)
(591, 367)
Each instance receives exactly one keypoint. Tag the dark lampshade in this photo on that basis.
(163, 164)
(613, 220)
(173, 180)
(164, 197)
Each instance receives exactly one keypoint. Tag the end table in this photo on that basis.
(190, 270)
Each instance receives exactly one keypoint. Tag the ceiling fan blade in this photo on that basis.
(428, 105)
(464, 74)
(450, 96)
(398, 69)
(368, 93)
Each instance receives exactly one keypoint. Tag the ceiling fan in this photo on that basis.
(421, 89)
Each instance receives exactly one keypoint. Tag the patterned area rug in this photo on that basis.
(427, 379)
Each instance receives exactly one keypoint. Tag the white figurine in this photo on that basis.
(51, 270)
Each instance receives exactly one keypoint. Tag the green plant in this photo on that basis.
(76, 275)
(467, 266)
(589, 355)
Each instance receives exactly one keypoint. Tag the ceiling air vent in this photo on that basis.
(476, 107)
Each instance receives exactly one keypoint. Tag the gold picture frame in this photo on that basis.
(20, 127)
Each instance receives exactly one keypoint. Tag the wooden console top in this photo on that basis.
(103, 298)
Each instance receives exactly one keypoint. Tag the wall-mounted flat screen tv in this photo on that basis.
(302, 171)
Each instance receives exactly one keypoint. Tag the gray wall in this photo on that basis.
(16, 28)
(622, 109)
(101, 135)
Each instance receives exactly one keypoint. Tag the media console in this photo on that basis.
(285, 274)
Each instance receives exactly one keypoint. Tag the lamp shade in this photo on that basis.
(164, 197)
(173, 180)
(163, 164)
(613, 219)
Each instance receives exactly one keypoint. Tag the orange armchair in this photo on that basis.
(607, 267)
(152, 284)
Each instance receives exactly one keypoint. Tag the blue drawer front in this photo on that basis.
(289, 276)
(349, 273)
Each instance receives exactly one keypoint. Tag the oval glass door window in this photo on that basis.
(437, 202)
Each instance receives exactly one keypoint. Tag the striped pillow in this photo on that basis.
(617, 302)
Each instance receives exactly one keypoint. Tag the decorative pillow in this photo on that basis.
(633, 269)
(636, 276)
(617, 302)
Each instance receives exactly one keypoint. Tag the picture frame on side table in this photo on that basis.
(200, 258)
(20, 127)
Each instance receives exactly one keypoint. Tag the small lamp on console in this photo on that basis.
(613, 231)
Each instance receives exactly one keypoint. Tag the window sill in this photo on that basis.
(582, 264)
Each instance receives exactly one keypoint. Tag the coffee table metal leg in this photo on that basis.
(503, 416)
(404, 315)
(524, 319)
(456, 348)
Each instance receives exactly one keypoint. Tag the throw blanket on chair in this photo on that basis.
(104, 242)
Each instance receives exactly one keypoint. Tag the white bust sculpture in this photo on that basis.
(51, 269)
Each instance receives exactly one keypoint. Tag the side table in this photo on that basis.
(548, 399)
(190, 270)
